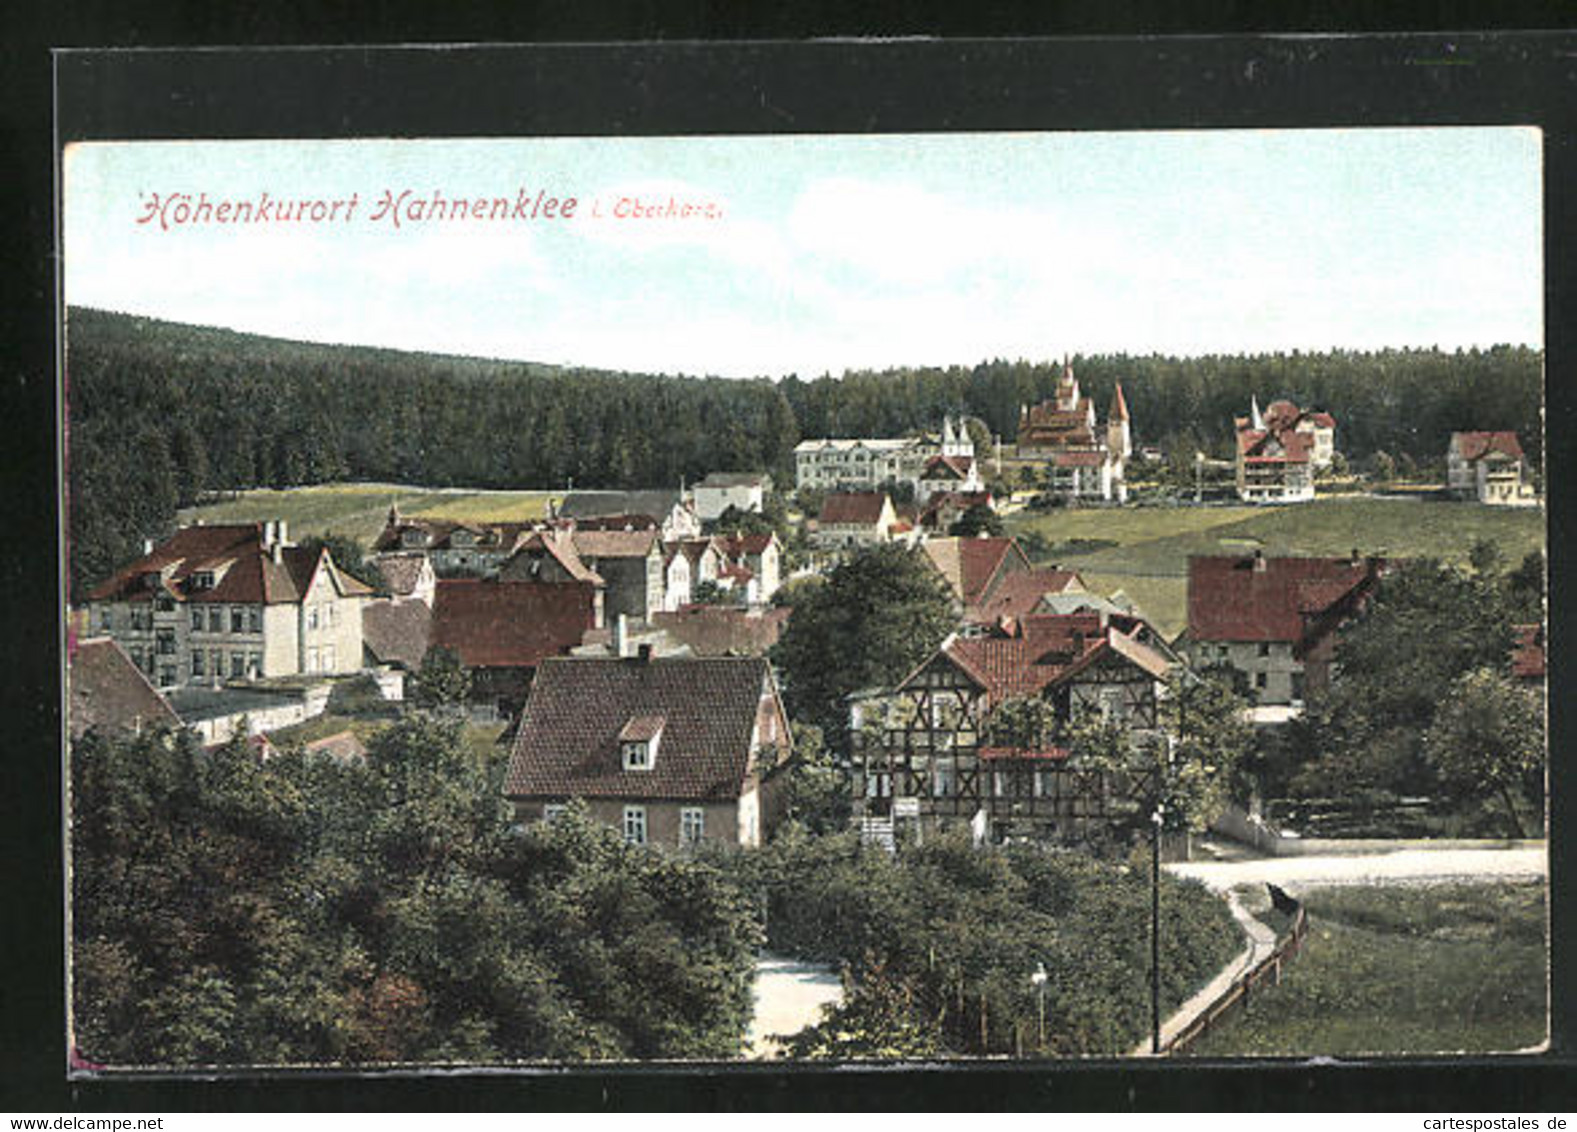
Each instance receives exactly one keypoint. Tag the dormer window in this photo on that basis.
(203, 580)
(638, 742)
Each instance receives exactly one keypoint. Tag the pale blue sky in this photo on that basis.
(843, 252)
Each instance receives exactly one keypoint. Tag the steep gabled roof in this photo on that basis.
(1230, 600)
(403, 571)
(948, 468)
(1020, 593)
(491, 624)
(1032, 653)
(615, 544)
(568, 741)
(107, 691)
(971, 565)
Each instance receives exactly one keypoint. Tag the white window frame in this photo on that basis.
(692, 825)
(634, 825)
(637, 754)
(553, 810)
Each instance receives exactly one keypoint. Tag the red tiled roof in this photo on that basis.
(862, 507)
(568, 741)
(1018, 593)
(711, 630)
(1255, 444)
(1477, 445)
(641, 728)
(1119, 405)
(244, 572)
(737, 545)
(948, 467)
(1078, 459)
(1228, 600)
(1036, 652)
(107, 691)
(491, 624)
(1527, 655)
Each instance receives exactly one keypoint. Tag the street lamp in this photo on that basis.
(1156, 819)
(1039, 979)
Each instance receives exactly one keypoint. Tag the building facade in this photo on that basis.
(1488, 467)
(833, 465)
(1083, 460)
(232, 602)
(1279, 451)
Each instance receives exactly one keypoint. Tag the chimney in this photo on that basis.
(621, 636)
(1356, 558)
(1259, 562)
(279, 532)
(276, 551)
(147, 547)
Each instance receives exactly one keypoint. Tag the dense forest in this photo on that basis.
(161, 412)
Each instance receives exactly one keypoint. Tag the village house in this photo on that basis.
(1279, 451)
(452, 547)
(1083, 461)
(669, 751)
(1274, 620)
(856, 518)
(232, 602)
(673, 511)
(939, 749)
(754, 563)
(743, 491)
(501, 631)
(407, 576)
(630, 563)
(951, 474)
(687, 564)
(974, 568)
(396, 633)
(945, 508)
(1488, 467)
(845, 465)
(107, 692)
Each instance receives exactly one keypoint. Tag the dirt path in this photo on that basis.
(1405, 866)
(789, 996)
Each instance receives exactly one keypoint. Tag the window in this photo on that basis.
(237, 619)
(164, 604)
(238, 665)
(197, 662)
(197, 619)
(106, 619)
(692, 825)
(1259, 680)
(166, 675)
(254, 663)
(942, 780)
(635, 825)
(312, 617)
(552, 811)
(215, 619)
(1264, 648)
(637, 756)
(1297, 685)
(216, 663)
(254, 618)
(166, 642)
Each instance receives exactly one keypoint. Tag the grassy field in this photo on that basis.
(1150, 546)
(1428, 969)
(359, 510)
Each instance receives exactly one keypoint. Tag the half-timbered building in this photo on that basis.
(937, 749)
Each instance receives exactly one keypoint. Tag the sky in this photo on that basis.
(817, 254)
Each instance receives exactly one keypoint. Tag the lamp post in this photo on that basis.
(1157, 818)
(1039, 979)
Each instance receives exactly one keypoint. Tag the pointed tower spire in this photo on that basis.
(1254, 415)
(1119, 406)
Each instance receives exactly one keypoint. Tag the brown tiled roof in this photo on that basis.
(1085, 459)
(244, 572)
(562, 548)
(397, 632)
(107, 691)
(1256, 446)
(1477, 445)
(614, 544)
(1229, 600)
(568, 742)
(491, 624)
(641, 728)
(402, 571)
(736, 546)
(711, 630)
(1527, 656)
(861, 507)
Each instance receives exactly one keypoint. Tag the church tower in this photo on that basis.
(1119, 439)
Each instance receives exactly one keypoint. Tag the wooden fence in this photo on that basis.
(1267, 972)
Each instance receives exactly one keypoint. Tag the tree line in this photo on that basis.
(161, 413)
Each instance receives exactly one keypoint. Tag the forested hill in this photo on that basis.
(161, 411)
